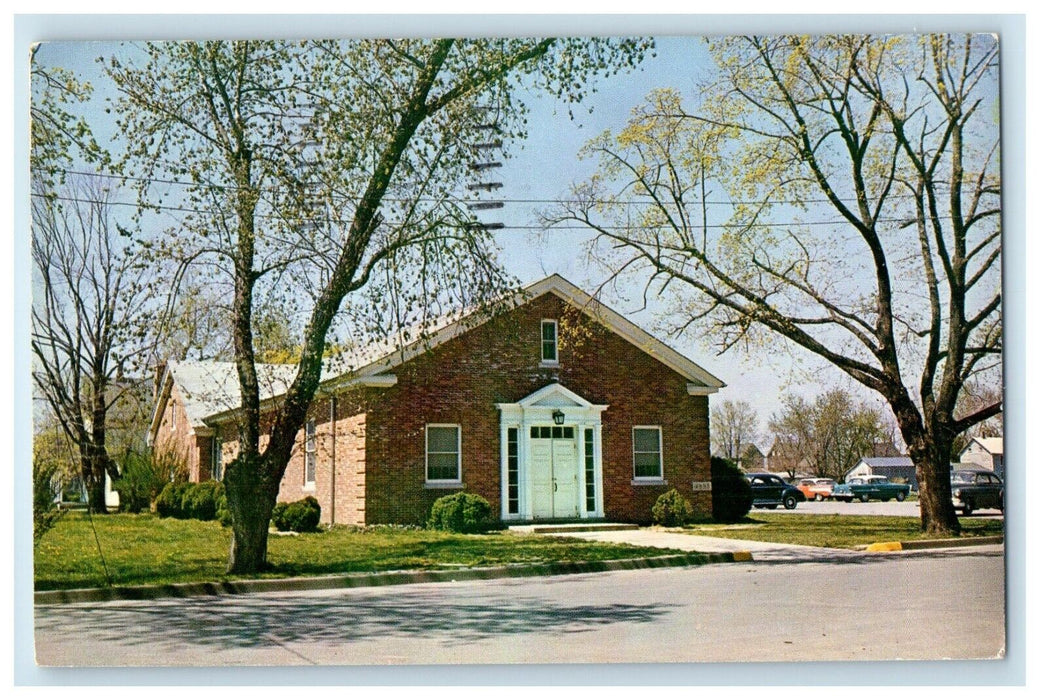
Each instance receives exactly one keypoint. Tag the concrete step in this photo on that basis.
(553, 528)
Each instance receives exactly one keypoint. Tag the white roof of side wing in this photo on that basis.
(208, 388)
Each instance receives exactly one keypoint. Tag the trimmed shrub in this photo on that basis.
(732, 493)
(460, 512)
(169, 502)
(300, 516)
(200, 501)
(671, 509)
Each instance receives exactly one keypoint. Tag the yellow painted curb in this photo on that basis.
(884, 547)
(742, 556)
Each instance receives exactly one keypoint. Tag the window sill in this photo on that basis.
(444, 485)
(549, 364)
(649, 482)
(311, 487)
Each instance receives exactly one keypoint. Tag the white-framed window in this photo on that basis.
(216, 458)
(550, 342)
(647, 452)
(443, 453)
(310, 453)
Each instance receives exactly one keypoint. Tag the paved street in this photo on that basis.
(835, 606)
(905, 508)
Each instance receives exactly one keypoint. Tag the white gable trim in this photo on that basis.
(701, 380)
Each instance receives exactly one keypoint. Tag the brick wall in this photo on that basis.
(181, 440)
(461, 381)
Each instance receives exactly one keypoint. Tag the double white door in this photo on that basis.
(554, 477)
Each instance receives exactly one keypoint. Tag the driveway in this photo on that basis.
(905, 508)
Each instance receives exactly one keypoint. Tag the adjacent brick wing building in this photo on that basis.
(555, 409)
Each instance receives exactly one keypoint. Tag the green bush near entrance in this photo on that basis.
(460, 512)
(672, 509)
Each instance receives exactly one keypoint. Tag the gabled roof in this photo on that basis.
(992, 445)
(210, 390)
(886, 461)
(701, 381)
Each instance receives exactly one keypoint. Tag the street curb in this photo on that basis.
(389, 578)
(931, 544)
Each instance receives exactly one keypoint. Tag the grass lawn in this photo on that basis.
(145, 549)
(840, 531)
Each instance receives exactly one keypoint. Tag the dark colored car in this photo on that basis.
(771, 491)
(973, 489)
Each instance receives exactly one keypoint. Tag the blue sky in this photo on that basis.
(542, 169)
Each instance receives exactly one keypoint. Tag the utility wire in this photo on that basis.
(233, 188)
(554, 227)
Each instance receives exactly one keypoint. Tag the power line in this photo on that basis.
(554, 227)
(637, 202)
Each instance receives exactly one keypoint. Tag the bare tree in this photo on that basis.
(838, 193)
(733, 425)
(90, 305)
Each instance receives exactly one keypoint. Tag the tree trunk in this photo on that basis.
(96, 496)
(251, 493)
(93, 468)
(937, 515)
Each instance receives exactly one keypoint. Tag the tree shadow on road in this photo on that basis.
(842, 556)
(338, 617)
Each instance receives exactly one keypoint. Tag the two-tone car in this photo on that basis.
(868, 488)
(771, 491)
(973, 489)
(816, 489)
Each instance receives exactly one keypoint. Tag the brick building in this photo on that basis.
(557, 408)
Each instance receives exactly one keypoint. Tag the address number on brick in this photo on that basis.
(701, 486)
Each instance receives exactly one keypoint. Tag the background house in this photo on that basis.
(986, 452)
(896, 469)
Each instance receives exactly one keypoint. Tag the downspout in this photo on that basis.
(332, 457)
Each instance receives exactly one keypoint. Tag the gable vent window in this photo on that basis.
(550, 343)
(310, 453)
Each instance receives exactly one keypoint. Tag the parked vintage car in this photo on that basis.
(867, 488)
(771, 491)
(973, 489)
(816, 489)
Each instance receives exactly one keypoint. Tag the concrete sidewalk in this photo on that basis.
(761, 551)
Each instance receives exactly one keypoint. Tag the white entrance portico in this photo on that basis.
(551, 456)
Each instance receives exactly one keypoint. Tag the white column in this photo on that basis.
(598, 466)
(579, 441)
(504, 432)
(524, 466)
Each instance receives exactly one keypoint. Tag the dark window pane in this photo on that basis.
(443, 466)
(645, 439)
(443, 439)
(568, 433)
